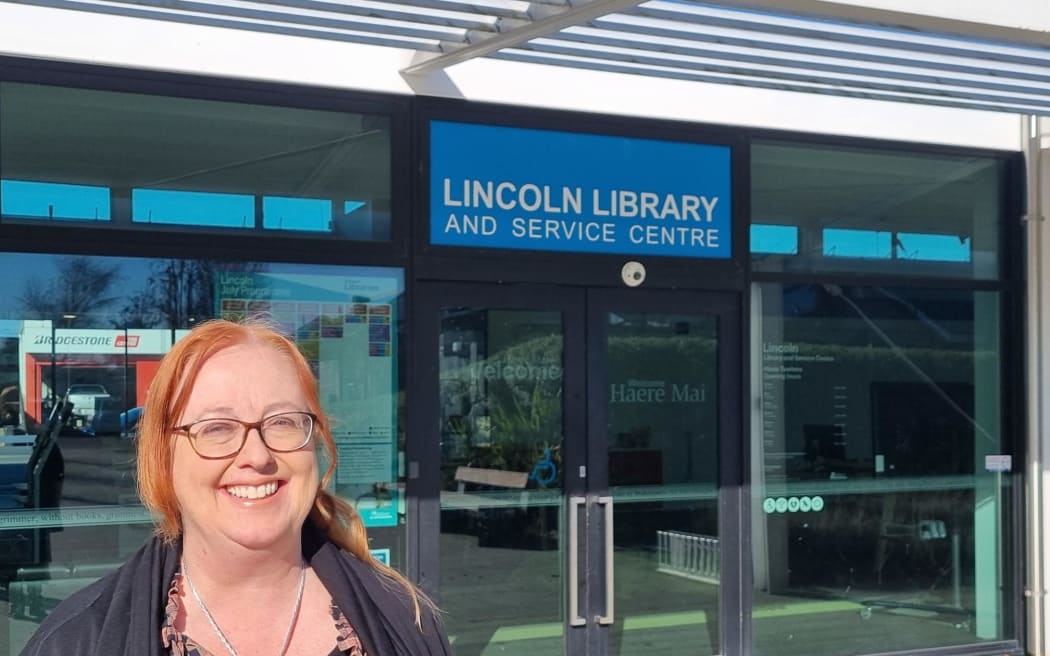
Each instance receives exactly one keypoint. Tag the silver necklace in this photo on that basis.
(215, 625)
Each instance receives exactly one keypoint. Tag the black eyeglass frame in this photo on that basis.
(185, 429)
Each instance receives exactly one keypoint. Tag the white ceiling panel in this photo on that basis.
(690, 42)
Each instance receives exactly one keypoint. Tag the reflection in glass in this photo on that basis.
(44, 200)
(869, 210)
(312, 214)
(192, 208)
(501, 466)
(857, 243)
(782, 240)
(80, 342)
(139, 161)
(878, 524)
(663, 475)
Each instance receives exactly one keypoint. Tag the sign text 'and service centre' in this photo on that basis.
(504, 187)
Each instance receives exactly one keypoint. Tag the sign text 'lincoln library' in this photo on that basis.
(503, 187)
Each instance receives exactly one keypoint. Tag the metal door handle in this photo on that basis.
(575, 619)
(607, 618)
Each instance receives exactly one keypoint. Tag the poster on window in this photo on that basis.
(345, 325)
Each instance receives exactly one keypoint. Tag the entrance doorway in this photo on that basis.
(579, 443)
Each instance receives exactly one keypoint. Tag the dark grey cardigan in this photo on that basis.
(122, 613)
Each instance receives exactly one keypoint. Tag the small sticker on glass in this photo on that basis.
(998, 463)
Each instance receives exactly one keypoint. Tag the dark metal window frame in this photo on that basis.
(235, 245)
(1010, 285)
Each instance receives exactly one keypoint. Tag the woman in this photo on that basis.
(253, 555)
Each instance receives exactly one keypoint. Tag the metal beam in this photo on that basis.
(844, 11)
(554, 20)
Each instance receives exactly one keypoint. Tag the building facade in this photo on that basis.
(755, 372)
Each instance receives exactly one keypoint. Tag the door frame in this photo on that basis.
(733, 516)
(423, 454)
(580, 308)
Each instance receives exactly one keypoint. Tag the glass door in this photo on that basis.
(662, 388)
(577, 463)
(507, 369)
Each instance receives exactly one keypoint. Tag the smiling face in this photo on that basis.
(257, 499)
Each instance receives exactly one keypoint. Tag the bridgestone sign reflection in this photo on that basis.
(39, 337)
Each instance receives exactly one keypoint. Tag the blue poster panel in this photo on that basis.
(505, 187)
(344, 325)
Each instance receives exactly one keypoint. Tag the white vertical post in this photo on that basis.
(1038, 359)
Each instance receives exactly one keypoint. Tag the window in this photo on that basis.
(87, 334)
(882, 480)
(832, 208)
(778, 239)
(49, 201)
(135, 161)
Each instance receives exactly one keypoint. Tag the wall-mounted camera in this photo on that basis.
(633, 273)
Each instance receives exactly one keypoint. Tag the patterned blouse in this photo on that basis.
(347, 643)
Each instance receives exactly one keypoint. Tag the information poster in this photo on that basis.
(346, 328)
(811, 443)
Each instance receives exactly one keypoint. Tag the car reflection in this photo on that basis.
(112, 419)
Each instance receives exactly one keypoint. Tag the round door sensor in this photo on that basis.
(633, 273)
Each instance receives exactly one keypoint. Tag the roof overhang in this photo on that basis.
(828, 47)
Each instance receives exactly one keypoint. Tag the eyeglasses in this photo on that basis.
(217, 438)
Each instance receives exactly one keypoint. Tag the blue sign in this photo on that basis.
(382, 555)
(503, 187)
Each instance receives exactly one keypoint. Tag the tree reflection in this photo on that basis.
(78, 294)
(89, 292)
(177, 293)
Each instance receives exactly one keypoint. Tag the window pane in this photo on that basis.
(41, 200)
(311, 214)
(137, 161)
(882, 521)
(938, 248)
(868, 210)
(857, 243)
(86, 334)
(500, 374)
(663, 436)
(192, 208)
(774, 239)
